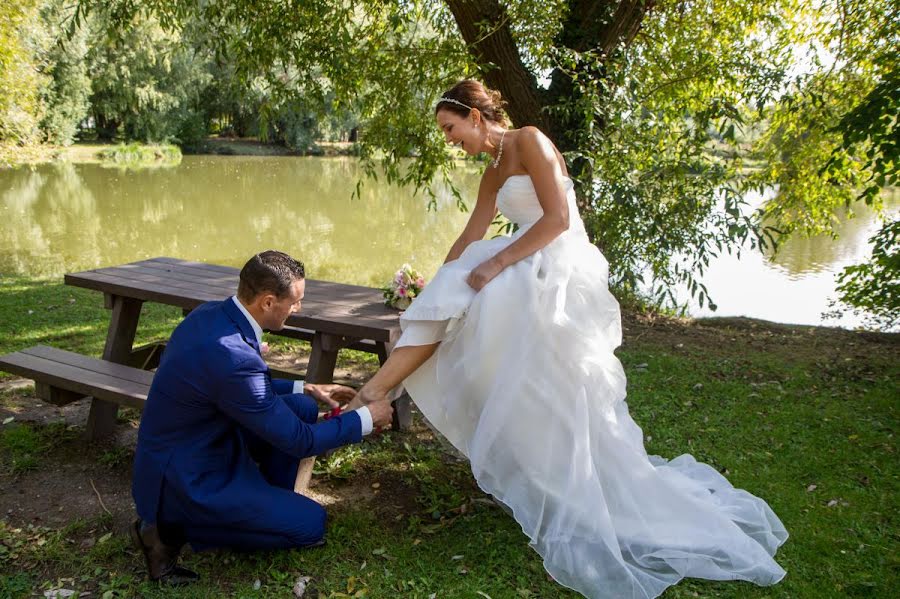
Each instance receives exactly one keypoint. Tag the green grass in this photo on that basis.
(23, 444)
(45, 311)
(810, 431)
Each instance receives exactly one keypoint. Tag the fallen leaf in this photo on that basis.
(300, 586)
(832, 503)
(104, 538)
(257, 584)
(811, 488)
(455, 557)
(8, 420)
(483, 594)
(379, 551)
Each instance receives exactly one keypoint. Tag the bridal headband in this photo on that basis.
(452, 101)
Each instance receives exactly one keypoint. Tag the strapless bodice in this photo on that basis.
(517, 200)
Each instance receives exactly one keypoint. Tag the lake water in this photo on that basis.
(63, 217)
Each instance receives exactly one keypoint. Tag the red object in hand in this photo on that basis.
(334, 412)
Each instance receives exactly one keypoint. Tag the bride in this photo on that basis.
(509, 353)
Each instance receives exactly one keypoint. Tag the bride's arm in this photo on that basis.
(539, 159)
(481, 218)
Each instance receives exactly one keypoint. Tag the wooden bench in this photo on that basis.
(61, 377)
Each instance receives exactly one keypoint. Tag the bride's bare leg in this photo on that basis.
(399, 365)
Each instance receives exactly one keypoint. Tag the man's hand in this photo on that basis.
(382, 412)
(331, 395)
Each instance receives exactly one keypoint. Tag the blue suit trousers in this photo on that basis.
(276, 516)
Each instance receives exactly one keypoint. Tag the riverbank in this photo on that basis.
(804, 417)
(91, 153)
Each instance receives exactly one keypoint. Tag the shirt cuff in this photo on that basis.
(298, 386)
(365, 420)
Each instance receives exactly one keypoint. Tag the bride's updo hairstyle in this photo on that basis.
(468, 94)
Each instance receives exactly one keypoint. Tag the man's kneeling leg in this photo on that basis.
(291, 521)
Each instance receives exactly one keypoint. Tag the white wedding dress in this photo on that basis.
(526, 385)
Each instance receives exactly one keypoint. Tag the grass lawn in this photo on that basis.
(804, 417)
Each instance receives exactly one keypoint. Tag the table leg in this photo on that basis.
(323, 357)
(322, 361)
(401, 400)
(119, 341)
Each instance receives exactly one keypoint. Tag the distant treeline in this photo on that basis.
(64, 78)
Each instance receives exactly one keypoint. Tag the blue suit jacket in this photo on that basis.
(211, 383)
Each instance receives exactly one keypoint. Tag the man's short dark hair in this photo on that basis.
(269, 272)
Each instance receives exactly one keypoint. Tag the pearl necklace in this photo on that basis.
(496, 162)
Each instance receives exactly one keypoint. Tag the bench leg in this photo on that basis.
(119, 340)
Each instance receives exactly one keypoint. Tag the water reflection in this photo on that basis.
(62, 217)
(800, 255)
(796, 284)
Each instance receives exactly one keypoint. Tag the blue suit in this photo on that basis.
(220, 441)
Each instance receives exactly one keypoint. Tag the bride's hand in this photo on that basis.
(483, 274)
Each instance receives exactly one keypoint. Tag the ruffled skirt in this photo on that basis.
(526, 385)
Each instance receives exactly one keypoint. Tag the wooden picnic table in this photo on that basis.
(334, 316)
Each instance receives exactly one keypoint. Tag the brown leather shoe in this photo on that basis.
(161, 559)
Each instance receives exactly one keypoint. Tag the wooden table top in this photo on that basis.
(332, 308)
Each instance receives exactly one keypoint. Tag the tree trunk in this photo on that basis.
(484, 26)
(599, 25)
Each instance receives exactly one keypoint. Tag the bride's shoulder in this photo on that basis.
(529, 134)
(530, 138)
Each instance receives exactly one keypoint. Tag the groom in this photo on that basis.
(220, 440)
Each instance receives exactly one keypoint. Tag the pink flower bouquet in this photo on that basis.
(405, 286)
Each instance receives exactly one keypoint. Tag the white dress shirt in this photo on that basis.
(365, 416)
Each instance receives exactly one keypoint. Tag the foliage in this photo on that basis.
(637, 115)
(873, 286)
(831, 131)
(65, 96)
(19, 79)
(146, 83)
(871, 129)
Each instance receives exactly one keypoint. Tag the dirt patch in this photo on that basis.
(738, 337)
(71, 483)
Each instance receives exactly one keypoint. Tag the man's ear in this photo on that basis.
(268, 300)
